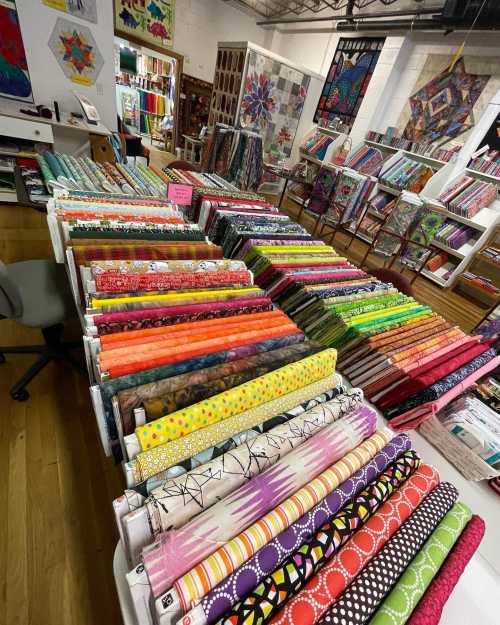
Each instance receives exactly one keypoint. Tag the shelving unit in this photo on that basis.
(434, 162)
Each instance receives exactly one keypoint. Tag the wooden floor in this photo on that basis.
(57, 536)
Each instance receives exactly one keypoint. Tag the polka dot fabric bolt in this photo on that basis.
(235, 401)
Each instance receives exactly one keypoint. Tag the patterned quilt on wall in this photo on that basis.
(445, 105)
(272, 103)
(348, 79)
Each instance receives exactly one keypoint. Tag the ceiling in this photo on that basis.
(290, 8)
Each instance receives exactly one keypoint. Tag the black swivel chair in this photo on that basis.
(36, 294)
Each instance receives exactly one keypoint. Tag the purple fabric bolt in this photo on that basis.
(236, 586)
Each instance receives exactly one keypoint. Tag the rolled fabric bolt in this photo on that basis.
(383, 571)
(403, 598)
(176, 502)
(234, 588)
(278, 587)
(177, 552)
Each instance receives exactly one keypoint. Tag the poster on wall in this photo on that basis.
(85, 9)
(447, 100)
(14, 77)
(76, 52)
(272, 102)
(151, 21)
(348, 78)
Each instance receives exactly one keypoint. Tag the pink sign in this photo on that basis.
(180, 193)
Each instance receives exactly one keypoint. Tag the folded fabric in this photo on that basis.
(329, 583)
(403, 598)
(83, 253)
(158, 459)
(235, 401)
(234, 589)
(146, 487)
(430, 607)
(284, 582)
(356, 605)
(443, 385)
(179, 500)
(175, 553)
(109, 323)
(134, 397)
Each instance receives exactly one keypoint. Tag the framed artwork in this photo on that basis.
(14, 76)
(194, 106)
(151, 21)
(348, 78)
(272, 102)
(84, 9)
(76, 52)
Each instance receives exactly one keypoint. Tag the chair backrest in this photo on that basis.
(11, 305)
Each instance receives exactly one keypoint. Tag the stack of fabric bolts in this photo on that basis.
(259, 487)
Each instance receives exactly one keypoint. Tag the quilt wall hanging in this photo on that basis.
(348, 78)
(447, 103)
(194, 106)
(14, 77)
(76, 52)
(84, 9)
(151, 21)
(272, 102)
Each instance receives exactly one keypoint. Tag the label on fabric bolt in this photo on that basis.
(180, 193)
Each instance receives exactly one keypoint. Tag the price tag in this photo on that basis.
(180, 193)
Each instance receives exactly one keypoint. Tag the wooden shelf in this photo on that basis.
(419, 157)
(310, 158)
(448, 250)
(483, 176)
(329, 131)
(387, 189)
(296, 198)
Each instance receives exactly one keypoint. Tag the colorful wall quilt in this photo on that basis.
(76, 52)
(152, 21)
(348, 79)
(273, 98)
(14, 77)
(445, 105)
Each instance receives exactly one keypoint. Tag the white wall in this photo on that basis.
(47, 78)
(201, 24)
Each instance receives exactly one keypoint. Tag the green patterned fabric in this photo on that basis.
(401, 601)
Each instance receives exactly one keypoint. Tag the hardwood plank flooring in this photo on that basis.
(57, 535)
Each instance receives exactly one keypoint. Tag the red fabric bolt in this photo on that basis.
(430, 607)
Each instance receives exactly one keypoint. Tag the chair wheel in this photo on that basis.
(21, 395)
(2, 359)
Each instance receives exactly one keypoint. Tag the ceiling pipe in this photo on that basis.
(338, 18)
(411, 25)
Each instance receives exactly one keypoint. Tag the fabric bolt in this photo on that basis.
(265, 561)
(368, 589)
(110, 387)
(136, 396)
(284, 515)
(179, 500)
(443, 385)
(276, 589)
(153, 461)
(109, 323)
(235, 401)
(327, 585)
(146, 487)
(403, 598)
(430, 607)
(173, 354)
(83, 253)
(175, 553)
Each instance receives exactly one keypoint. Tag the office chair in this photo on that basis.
(36, 294)
(400, 282)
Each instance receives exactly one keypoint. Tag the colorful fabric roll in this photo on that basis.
(179, 500)
(383, 571)
(399, 604)
(328, 584)
(211, 453)
(266, 560)
(177, 552)
(237, 400)
(430, 607)
(153, 461)
(273, 592)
